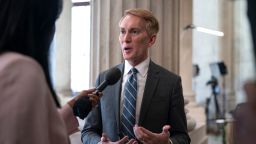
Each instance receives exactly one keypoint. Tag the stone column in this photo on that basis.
(227, 52)
(186, 49)
(185, 57)
(62, 51)
(195, 114)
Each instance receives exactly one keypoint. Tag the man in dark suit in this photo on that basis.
(159, 116)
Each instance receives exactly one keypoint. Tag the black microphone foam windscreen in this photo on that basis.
(113, 76)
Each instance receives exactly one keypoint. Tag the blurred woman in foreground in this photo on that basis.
(28, 104)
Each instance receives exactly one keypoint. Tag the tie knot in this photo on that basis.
(133, 71)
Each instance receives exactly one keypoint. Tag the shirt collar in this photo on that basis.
(142, 67)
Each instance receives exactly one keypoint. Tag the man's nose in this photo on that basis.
(127, 38)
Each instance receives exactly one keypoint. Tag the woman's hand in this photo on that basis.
(93, 97)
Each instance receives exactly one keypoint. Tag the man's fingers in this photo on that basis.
(142, 134)
(123, 140)
(145, 132)
(166, 128)
(132, 141)
(138, 133)
(104, 138)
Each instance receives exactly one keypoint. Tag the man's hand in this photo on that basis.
(148, 137)
(125, 140)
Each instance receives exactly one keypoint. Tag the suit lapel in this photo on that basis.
(150, 86)
(117, 96)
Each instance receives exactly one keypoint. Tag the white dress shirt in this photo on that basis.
(141, 81)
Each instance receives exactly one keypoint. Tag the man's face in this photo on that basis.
(134, 39)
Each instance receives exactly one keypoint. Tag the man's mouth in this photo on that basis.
(127, 48)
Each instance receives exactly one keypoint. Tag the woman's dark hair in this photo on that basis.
(27, 27)
(251, 5)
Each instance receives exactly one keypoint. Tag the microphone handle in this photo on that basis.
(82, 107)
(102, 86)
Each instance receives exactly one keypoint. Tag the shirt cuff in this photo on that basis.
(170, 141)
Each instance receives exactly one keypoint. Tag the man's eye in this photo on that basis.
(122, 32)
(135, 32)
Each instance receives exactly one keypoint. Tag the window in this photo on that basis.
(80, 45)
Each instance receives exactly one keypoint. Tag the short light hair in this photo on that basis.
(152, 26)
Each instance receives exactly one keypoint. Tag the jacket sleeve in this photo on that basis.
(92, 130)
(69, 118)
(178, 132)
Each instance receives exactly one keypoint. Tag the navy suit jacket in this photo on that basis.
(162, 104)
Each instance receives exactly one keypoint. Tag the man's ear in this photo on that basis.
(152, 40)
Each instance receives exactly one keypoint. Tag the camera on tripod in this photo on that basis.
(218, 71)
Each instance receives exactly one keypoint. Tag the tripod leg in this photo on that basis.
(216, 106)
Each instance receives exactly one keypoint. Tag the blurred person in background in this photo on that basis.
(245, 113)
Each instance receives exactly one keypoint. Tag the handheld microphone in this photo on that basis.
(83, 105)
(111, 78)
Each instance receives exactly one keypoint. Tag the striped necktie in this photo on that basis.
(129, 105)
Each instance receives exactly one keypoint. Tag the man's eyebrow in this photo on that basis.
(135, 28)
(131, 29)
